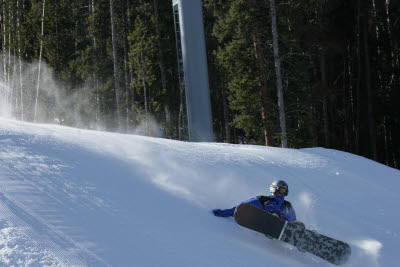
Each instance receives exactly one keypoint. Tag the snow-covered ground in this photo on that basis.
(71, 197)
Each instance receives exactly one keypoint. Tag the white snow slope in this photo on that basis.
(71, 197)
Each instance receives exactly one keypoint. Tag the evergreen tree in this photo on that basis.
(340, 69)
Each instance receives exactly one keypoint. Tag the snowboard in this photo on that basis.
(327, 248)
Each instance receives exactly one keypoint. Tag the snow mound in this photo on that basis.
(71, 197)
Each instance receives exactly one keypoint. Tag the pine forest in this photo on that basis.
(295, 74)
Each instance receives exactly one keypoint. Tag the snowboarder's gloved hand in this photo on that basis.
(221, 213)
(216, 211)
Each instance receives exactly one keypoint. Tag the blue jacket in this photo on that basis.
(271, 203)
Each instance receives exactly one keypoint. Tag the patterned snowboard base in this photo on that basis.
(327, 248)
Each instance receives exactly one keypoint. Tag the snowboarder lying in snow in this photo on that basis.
(275, 203)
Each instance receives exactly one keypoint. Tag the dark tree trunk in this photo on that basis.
(370, 92)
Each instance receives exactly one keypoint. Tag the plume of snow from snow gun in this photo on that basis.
(58, 102)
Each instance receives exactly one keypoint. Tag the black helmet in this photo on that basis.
(277, 185)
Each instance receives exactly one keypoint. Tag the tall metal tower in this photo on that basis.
(191, 55)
